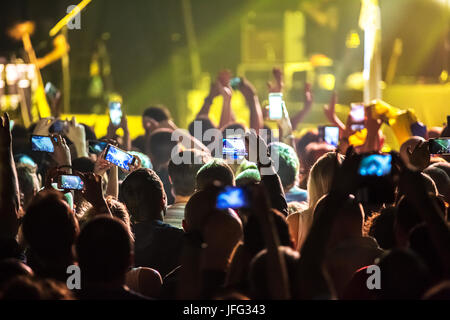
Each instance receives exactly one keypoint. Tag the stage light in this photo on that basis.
(327, 81)
(444, 76)
(353, 41)
(2, 84)
(11, 74)
(24, 83)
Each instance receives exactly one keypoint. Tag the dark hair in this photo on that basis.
(85, 165)
(198, 209)
(407, 216)
(158, 114)
(403, 276)
(160, 146)
(381, 227)
(104, 249)
(215, 170)
(29, 288)
(421, 243)
(235, 127)
(289, 165)
(143, 192)
(443, 166)
(253, 237)
(441, 179)
(302, 143)
(90, 133)
(49, 226)
(11, 268)
(259, 269)
(206, 124)
(183, 175)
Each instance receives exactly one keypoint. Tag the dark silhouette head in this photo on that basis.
(50, 227)
(215, 170)
(104, 250)
(183, 175)
(143, 194)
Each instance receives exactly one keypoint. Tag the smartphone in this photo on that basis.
(376, 179)
(275, 106)
(440, 146)
(119, 157)
(70, 182)
(232, 198)
(235, 83)
(58, 127)
(115, 113)
(329, 135)
(358, 115)
(50, 91)
(234, 148)
(97, 147)
(375, 165)
(42, 144)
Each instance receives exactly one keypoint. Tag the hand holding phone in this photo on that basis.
(235, 83)
(377, 179)
(439, 146)
(70, 182)
(357, 116)
(234, 148)
(119, 157)
(330, 135)
(232, 198)
(42, 144)
(276, 106)
(97, 147)
(115, 113)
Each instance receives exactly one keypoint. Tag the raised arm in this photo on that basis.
(258, 153)
(213, 93)
(101, 168)
(77, 134)
(9, 186)
(252, 100)
(374, 140)
(277, 275)
(300, 116)
(330, 113)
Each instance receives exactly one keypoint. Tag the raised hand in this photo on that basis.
(101, 165)
(5, 132)
(247, 89)
(308, 104)
(43, 127)
(61, 155)
(278, 85)
(309, 97)
(93, 192)
(77, 134)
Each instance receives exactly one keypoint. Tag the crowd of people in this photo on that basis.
(155, 231)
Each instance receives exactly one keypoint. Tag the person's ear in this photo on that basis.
(184, 225)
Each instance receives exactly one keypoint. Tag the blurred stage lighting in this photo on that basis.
(327, 81)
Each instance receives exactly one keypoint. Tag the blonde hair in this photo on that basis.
(321, 176)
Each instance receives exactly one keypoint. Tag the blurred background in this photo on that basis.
(168, 52)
